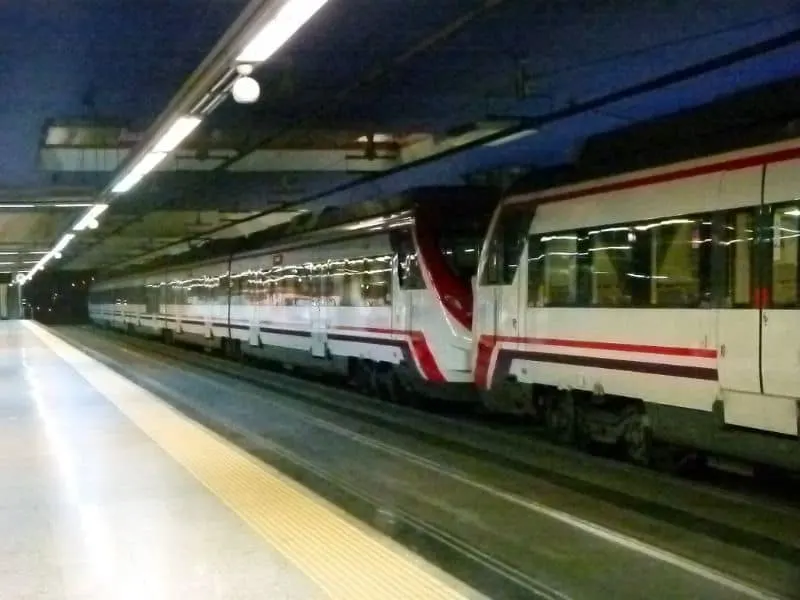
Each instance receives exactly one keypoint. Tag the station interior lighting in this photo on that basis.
(280, 29)
(180, 130)
(54, 253)
(512, 137)
(149, 162)
(90, 217)
(245, 89)
(30, 205)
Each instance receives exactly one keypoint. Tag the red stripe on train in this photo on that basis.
(453, 294)
(483, 361)
(488, 343)
(427, 362)
(613, 346)
(420, 349)
(728, 165)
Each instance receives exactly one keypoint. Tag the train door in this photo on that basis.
(500, 283)
(402, 304)
(758, 345)
(406, 278)
(739, 315)
(780, 321)
(318, 274)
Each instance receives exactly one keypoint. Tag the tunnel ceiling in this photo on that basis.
(428, 79)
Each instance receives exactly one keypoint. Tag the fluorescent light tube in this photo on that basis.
(512, 137)
(280, 29)
(148, 163)
(63, 243)
(130, 180)
(17, 205)
(91, 215)
(142, 168)
(179, 131)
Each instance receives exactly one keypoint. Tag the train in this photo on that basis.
(381, 296)
(648, 306)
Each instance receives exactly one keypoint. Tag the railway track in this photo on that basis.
(759, 533)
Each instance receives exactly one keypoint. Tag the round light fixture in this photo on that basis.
(93, 224)
(246, 90)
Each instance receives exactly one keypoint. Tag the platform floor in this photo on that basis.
(107, 492)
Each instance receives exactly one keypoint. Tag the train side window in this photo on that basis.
(680, 261)
(268, 285)
(325, 285)
(736, 247)
(408, 270)
(336, 274)
(611, 259)
(376, 281)
(292, 284)
(561, 268)
(785, 255)
(553, 269)
(345, 274)
(536, 255)
(505, 244)
(152, 293)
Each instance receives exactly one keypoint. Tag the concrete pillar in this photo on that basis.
(3, 300)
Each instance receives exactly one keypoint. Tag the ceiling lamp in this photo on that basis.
(245, 90)
(90, 217)
(280, 29)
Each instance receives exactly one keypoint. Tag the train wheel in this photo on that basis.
(560, 417)
(396, 391)
(232, 349)
(637, 437)
(364, 377)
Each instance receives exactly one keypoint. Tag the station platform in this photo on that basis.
(108, 492)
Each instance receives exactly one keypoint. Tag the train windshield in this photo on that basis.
(460, 240)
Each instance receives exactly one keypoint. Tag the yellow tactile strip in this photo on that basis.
(344, 558)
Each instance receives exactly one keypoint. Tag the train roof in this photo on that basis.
(764, 115)
(312, 226)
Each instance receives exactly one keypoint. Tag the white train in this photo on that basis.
(659, 304)
(656, 305)
(384, 299)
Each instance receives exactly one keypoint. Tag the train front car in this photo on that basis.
(437, 260)
(384, 298)
(655, 309)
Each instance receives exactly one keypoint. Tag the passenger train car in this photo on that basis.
(647, 296)
(383, 298)
(655, 304)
